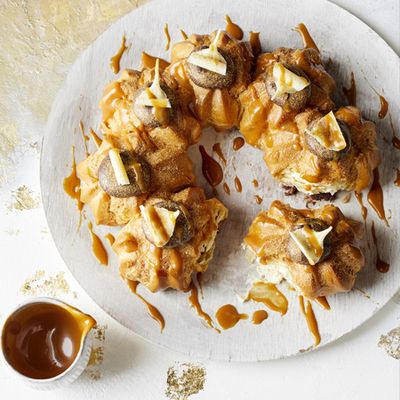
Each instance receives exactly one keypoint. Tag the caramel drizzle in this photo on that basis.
(273, 298)
(322, 300)
(149, 62)
(259, 316)
(228, 316)
(110, 237)
(85, 137)
(380, 265)
(72, 186)
(384, 107)
(364, 210)
(233, 29)
(168, 37)
(311, 320)
(308, 41)
(375, 197)
(238, 184)
(212, 171)
(115, 60)
(397, 180)
(97, 141)
(238, 143)
(255, 183)
(184, 35)
(194, 302)
(255, 44)
(218, 151)
(152, 310)
(258, 199)
(98, 248)
(395, 139)
(227, 190)
(351, 92)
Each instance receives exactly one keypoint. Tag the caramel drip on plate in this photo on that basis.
(97, 141)
(255, 183)
(259, 316)
(375, 197)
(311, 320)
(168, 37)
(384, 107)
(254, 39)
(194, 302)
(152, 310)
(322, 300)
(364, 210)
(149, 61)
(115, 60)
(396, 142)
(184, 35)
(380, 265)
(238, 184)
(110, 238)
(233, 29)
(212, 171)
(227, 190)
(268, 294)
(218, 151)
(351, 92)
(238, 143)
(85, 138)
(258, 199)
(308, 41)
(98, 248)
(228, 316)
(72, 186)
(397, 180)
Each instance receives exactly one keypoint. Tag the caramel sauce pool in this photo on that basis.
(384, 107)
(258, 199)
(218, 151)
(380, 265)
(375, 197)
(259, 316)
(194, 302)
(98, 248)
(238, 143)
(308, 41)
(227, 316)
(311, 320)
(42, 340)
(212, 171)
(351, 92)
(227, 190)
(152, 310)
(238, 184)
(268, 294)
(115, 60)
(233, 29)
(255, 183)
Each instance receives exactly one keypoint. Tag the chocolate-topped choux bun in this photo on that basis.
(173, 237)
(317, 252)
(213, 70)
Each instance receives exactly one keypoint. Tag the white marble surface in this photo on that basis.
(351, 368)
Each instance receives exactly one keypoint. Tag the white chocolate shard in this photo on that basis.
(310, 242)
(118, 167)
(328, 133)
(210, 58)
(287, 81)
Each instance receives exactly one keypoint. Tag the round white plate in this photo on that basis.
(353, 47)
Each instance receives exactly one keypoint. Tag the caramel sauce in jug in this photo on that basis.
(42, 340)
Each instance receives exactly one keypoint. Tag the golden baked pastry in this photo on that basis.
(287, 113)
(316, 251)
(188, 248)
(212, 70)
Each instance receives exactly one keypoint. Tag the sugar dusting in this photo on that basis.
(391, 343)
(41, 284)
(22, 199)
(184, 380)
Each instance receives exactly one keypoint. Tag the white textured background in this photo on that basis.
(39, 39)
